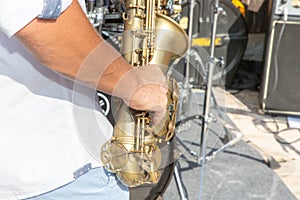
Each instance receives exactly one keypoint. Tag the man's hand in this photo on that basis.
(151, 97)
(144, 88)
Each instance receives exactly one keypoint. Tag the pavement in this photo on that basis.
(270, 135)
(263, 164)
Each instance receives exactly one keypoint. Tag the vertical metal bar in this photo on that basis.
(190, 35)
(137, 134)
(208, 90)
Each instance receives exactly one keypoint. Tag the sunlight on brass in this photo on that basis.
(150, 37)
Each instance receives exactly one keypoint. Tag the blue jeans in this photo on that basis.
(96, 184)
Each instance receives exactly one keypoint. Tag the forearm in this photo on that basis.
(72, 47)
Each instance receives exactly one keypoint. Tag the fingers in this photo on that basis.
(145, 88)
(158, 115)
(164, 89)
(150, 74)
(139, 77)
(149, 97)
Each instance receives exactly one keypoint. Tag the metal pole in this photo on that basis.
(208, 92)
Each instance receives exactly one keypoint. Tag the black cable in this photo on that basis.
(178, 123)
(277, 138)
(278, 131)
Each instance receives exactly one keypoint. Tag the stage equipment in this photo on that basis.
(209, 70)
(279, 93)
(231, 37)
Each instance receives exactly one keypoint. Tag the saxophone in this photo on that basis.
(150, 37)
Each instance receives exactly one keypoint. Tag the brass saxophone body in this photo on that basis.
(150, 37)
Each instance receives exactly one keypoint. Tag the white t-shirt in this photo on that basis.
(48, 130)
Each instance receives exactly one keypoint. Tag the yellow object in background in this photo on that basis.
(205, 42)
(240, 6)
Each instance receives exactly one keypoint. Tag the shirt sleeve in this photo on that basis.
(14, 15)
(51, 9)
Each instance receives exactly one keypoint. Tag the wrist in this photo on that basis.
(127, 84)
